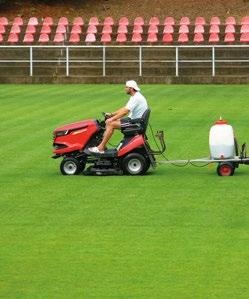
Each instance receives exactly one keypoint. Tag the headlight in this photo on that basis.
(58, 146)
(61, 133)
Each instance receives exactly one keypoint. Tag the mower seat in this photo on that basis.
(137, 126)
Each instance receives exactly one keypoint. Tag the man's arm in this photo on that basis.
(119, 113)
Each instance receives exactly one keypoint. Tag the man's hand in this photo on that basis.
(108, 121)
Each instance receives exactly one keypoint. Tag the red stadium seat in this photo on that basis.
(18, 21)
(244, 21)
(2, 29)
(106, 38)
(28, 38)
(4, 21)
(121, 38)
(198, 38)
(94, 21)
(214, 29)
(122, 29)
(139, 21)
(244, 38)
(183, 38)
(200, 21)
(184, 29)
(13, 38)
(107, 29)
(43, 38)
(90, 38)
(63, 21)
(199, 29)
(153, 29)
(78, 21)
(48, 21)
(46, 29)
(169, 21)
(123, 21)
(15, 29)
(33, 21)
(230, 29)
(229, 38)
(91, 29)
(74, 37)
(154, 21)
(215, 21)
(136, 37)
(168, 29)
(167, 38)
(230, 21)
(61, 29)
(108, 21)
(59, 38)
(30, 29)
(1, 38)
(185, 21)
(214, 38)
(244, 28)
(137, 29)
(76, 29)
(152, 38)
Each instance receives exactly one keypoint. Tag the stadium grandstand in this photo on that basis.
(100, 41)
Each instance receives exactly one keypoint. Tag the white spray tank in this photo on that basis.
(221, 140)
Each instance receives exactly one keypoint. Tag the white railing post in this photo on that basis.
(177, 61)
(67, 61)
(31, 61)
(213, 61)
(104, 66)
(140, 61)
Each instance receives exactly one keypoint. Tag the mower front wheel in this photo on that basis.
(225, 169)
(135, 164)
(71, 166)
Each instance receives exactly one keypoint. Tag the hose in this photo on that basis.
(172, 163)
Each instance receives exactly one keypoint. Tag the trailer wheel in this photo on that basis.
(135, 164)
(225, 169)
(71, 166)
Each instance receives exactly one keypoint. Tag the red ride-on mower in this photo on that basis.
(132, 156)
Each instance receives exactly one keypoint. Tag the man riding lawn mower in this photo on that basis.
(85, 142)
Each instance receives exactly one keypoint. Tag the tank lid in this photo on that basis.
(221, 122)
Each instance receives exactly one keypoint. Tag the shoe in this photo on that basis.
(95, 150)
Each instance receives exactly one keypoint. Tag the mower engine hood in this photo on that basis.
(77, 125)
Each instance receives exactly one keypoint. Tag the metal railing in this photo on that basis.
(67, 60)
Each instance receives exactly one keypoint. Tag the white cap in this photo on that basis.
(132, 84)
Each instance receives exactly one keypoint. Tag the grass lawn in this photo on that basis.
(174, 233)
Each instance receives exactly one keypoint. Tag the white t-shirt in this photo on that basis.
(137, 105)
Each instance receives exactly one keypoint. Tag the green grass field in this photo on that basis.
(174, 233)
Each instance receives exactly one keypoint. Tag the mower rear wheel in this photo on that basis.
(135, 164)
(225, 169)
(71, 166)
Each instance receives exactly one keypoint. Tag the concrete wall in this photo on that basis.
(122, 63)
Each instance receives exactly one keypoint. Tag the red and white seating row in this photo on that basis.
(138, 32)
(122, 21)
